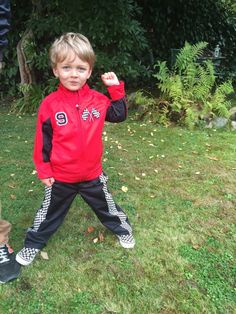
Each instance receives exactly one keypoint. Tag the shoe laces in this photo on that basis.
(4, 254)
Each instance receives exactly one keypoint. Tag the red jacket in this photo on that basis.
(68, 141)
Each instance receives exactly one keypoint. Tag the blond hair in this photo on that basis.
(75, 42)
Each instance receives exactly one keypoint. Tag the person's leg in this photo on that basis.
(97, 196)
(9, 268)
(49, 217)
(5, 228)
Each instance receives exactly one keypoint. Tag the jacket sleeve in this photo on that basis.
(117, 110)
(43, 144)
(4, 24)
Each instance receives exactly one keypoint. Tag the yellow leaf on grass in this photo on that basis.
(95, 240)
(44, 255)
(212, 158)
(124, 188)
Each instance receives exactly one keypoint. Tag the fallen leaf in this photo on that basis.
(44, 255)
(95, 240)
(124, 188)
(212, 158)
(13, 197)
(198, 172)
(101, 237)
(90, 229)
(137, 178)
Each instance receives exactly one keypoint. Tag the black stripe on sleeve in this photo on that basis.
(117, 112)
(47, 140)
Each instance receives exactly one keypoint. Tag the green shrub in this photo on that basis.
(188, 92)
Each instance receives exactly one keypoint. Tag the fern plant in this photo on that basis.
(190, 88)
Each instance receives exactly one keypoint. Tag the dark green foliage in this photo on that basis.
(116, 35)
(128, 36)
(188, 92)
(170, 23)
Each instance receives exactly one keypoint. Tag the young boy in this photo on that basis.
(68, 145)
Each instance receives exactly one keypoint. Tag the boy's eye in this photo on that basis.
(81, 69)
(65, 67)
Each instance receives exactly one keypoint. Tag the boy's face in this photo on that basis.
(72, 72)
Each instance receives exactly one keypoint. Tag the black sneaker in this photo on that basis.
(9, 268)
(26, 256)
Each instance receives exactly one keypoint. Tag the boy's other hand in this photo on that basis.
(48, 182)
(109, 79)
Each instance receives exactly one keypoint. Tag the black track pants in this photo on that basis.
(57, 201)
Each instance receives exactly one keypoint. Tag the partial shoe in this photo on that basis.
(126, 241)
(26, 256)
(9, 268)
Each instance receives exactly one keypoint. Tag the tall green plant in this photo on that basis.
(189, 90)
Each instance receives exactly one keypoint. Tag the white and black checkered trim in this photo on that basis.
(26, 256)
(112, 206)
(42, 212)
(127, 241)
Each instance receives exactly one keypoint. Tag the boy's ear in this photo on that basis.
(54, 70)
(89, 74)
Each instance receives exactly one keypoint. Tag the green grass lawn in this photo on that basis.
(178, 188)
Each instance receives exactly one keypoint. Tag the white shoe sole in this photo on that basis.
(127, 245)
(22, 261)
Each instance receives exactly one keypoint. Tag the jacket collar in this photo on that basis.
(79, 92)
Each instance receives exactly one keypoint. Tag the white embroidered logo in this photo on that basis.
(61, 118)
(86, 114)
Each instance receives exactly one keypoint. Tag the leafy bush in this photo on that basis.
(170, 23)
(188, 92)
(114, 31)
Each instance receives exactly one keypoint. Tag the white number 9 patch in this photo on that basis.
(61, 118)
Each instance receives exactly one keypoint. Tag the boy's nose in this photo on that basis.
(74, 72)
